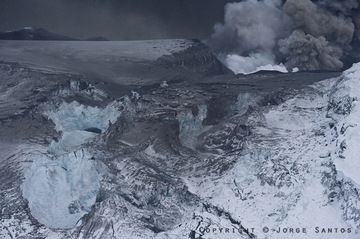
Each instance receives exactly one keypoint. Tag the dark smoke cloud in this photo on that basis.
(310, 52)
(357, 27)
(309, 35)
(316, 21)
(343, 6)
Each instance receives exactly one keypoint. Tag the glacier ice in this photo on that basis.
(70, 141)
(75, 116)
(62, 190)
(62, 186)
(245, 101)
(79, 123)
(190, 125)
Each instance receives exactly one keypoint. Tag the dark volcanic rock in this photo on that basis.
(197, 58)
(29, 33)
(99, 38)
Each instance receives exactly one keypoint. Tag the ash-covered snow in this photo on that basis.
(235, 152)
(20, 51)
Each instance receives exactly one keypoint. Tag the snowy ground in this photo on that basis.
(212, 157)
(279, 182)
(128, 62)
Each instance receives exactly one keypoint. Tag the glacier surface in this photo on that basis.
(62, 190)
(80, 159)
(62, 187)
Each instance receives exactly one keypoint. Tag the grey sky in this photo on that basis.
(115, 19)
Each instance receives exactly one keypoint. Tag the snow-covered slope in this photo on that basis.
(124, 62)
(208, 157)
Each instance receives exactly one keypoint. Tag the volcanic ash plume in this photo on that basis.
(303, 34)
